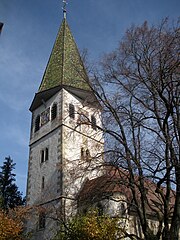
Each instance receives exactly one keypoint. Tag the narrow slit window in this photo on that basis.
(54, 111)
(100, 209)
(82, 153)
(122, 209)
(93, 122)
(71, 111)
(87, 155)
(37, 123)
(42, 220)
(46, 154)
(42, 156)
(42, 184)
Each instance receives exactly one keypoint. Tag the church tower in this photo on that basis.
(65, 140)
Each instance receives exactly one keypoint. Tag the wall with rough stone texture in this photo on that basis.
(48, 136)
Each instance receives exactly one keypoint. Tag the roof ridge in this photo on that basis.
(63, 57)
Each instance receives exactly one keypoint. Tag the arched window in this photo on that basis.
(93, 122)
(71, 111)
(37, 123)
(54, 111)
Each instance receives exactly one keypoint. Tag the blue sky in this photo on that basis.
(30, 28)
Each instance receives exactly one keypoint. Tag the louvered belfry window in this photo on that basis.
(54, 111)
(37, 123)
(71, 111)
(93, 122)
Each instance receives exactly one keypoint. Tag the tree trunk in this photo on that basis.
(175, 224)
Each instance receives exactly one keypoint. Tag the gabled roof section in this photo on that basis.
(117, 180)
(65, 66)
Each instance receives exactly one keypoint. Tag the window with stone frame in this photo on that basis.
(37, 123)
(85, 154)
(54, 111)
(71, 111)
(44, 156)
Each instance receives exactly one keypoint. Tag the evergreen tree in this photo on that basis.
(9, 194)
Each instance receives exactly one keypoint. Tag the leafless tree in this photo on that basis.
(138, 85)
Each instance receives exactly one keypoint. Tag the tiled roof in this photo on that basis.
(117, 180)
(65, 66)
(101, 187)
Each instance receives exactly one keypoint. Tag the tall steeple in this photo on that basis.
(65, 140)
(65, 66)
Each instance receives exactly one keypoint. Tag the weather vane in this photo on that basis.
(64, 8)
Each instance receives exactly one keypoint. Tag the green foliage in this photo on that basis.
(12, 223)
(90, 227)
(10, 197)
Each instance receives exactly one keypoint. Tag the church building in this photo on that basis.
(66, 172)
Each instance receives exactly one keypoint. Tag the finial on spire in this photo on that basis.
(64, 8)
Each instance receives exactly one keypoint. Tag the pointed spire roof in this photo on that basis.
(65, 66)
